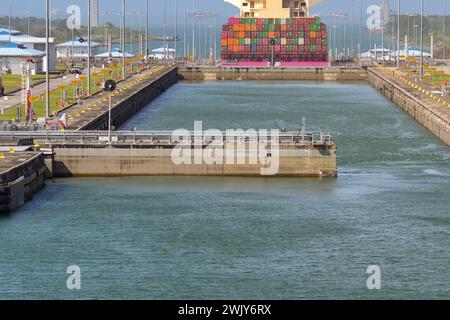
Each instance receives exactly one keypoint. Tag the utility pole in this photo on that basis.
(360, 33)
(9, 20)
(398, 35)
(28, 21)
(89, 51)
(193, 35)
(421, 39)
(47, 60)
(444, 55)
(105, 27)
(165, 30)
(131, 13)
(123, 39)
(184, 32)
(382, 32)
(146, 32)
(176, 29)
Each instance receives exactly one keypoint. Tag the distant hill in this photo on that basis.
(60, 31)
(432, 25)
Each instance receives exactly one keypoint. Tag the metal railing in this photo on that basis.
(164, 137)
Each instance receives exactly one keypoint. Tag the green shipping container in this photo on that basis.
(288, 21)
(271, 27)
(242, 42)
(313, 48)
(266, 21)
(278, 21)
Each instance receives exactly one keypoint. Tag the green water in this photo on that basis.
(233, 238)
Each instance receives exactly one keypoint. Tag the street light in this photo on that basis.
(123, 38)
(421, 39)
(131, 13)
(28, 21)
(89, 51)
(165, 30)
(398, 35)
(105, 26)
(146, 32)
(47, 50)
(444, 9)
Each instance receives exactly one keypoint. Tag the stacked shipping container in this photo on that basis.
(289, 40)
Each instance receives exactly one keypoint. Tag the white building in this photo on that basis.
(116, 53)
(14, 55)
(76, 49)
(29, 42)
(159, 54)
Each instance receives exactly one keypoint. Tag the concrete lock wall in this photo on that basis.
(242, 73)
(123, 111)
(156, 160)
(415, 107)
(20, 183)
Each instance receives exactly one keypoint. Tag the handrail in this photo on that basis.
(163, 136)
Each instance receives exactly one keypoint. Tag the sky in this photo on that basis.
(37, 7)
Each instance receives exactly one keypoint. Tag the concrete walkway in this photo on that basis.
(421, 90)
(79, 115)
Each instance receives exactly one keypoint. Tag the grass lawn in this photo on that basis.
(13, 82)
(56, 95)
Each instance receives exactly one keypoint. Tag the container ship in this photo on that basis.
(274, 33)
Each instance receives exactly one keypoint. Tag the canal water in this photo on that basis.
(245, 238)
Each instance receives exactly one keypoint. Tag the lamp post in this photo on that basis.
(28, 21)
(444, 55)
(421, 39)
(146, 32)
(165, 30)
(105, 26)
(131, 13)
(176, 29)
(47, 50)
(9, 20)
(184, 31)
(89, 51)
(398, 35)
(123, 39)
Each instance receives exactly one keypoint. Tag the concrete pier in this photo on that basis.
(151, 153)
(428, 109)
(268, 73)
(22, 174)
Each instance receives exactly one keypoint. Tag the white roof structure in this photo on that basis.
(115, 53)
(18, 50)
(6, 31)
(23, 38)
(412, 53)
(378, 51)
(161, 50)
